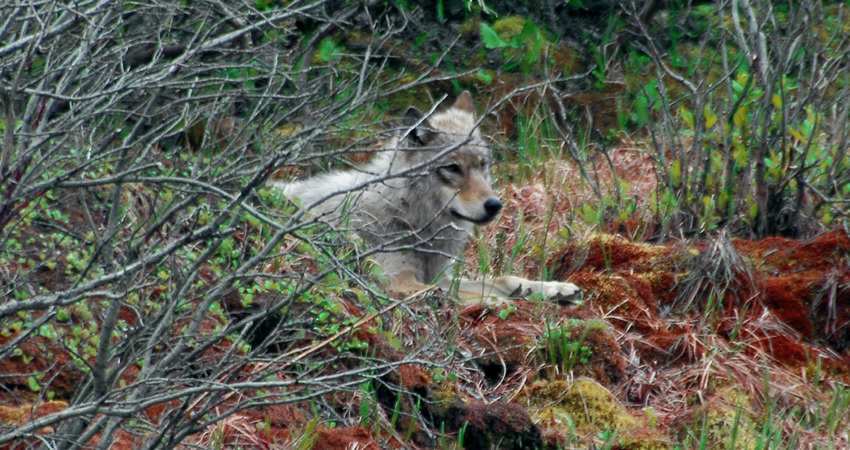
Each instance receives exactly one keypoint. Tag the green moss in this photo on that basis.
(470, 26)
(724, 420)
(587, 326)
(585, 403)
(509, 27)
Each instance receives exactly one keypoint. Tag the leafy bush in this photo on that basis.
(751, 135)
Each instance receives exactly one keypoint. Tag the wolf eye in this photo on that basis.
(453, 168)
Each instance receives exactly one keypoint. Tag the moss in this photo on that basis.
(18, 415)
(567, 59)
(10, 415)
(588, 326)
(509, 27)
(585, 403)
(643, 439)
(497, 425)
(581, 410)
(725, 419)
(471, 26)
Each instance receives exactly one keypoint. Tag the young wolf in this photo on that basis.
(417, 203)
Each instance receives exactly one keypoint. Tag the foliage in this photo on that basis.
(522, 42)
(564, 343)
(746, 135)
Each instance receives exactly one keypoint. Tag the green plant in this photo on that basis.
(506, 312)
(521, 42)
(747, 144)
(563, 343)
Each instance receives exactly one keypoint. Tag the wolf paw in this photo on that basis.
(561, 292)
(553, 290)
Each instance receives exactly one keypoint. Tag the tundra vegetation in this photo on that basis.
(685, 163)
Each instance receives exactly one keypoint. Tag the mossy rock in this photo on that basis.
(567, 413)
(499, 424)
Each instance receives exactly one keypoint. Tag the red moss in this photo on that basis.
(786, 350)
(154, 412)
(284, 416)
(39, 355)
(788, 297)
(761, 248)
(821, 253)
(675, 344)
(498, 424)
(606, 364)
(121, 440)
(411, 376)
(502, 342)
(601, 254)
(377, 345)
(345, 438)
(13, 411)
(662, 284)
(621, 293)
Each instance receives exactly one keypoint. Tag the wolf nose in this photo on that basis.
(492, 206)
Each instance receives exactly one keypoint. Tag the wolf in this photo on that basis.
(417, 203)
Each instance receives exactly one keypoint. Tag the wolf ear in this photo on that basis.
(464, 102)
(421, 134)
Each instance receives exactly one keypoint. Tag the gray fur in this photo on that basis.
(418, 201)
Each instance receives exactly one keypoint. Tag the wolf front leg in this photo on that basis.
(553, 290)
(499, 289)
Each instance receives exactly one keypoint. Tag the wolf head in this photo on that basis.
(457, 160)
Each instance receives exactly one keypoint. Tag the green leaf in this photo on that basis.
(505, 313)
(490, 38)
(753, 210)
(532, 38)
(328, 50)
(33, 384)
(710, 117)
(687, 117)
(484, 77)
(676, 173)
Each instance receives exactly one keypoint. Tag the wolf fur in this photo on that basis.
(417, 203)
